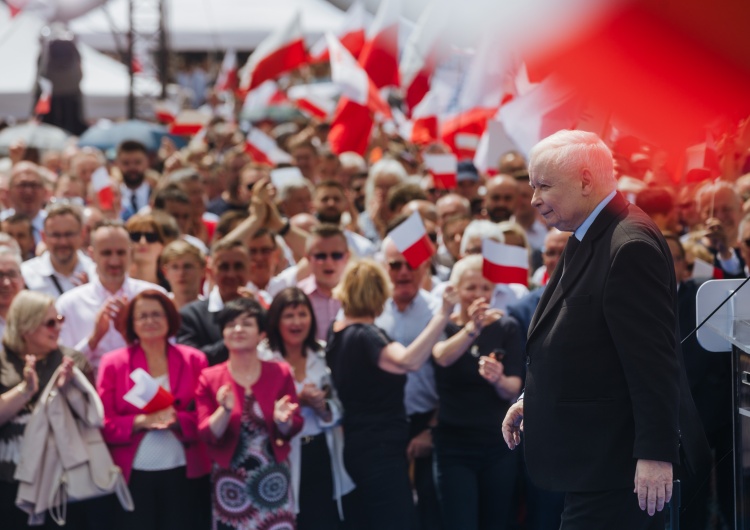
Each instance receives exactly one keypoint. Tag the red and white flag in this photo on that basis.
(546, 109)
(264, 149)
(424, 119)
(494, 143)
(701, 161)
(422, 52)
(410, 238)
(379, 55)
(351, 126)
(44, 104)
(702, 270)
(228, 80)
(280, 52)
(443, 168)
(166, 111)
(311, 102)
(102, 185)
(263, 96)
(504, 263)
(355, 84)
(147, 395)
(189, 122)
(351, 34)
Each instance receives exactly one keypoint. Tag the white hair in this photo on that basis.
(386, 166)
(481, 229)
(352, 160)
(283, 192)
(571, 151)
(469, 263)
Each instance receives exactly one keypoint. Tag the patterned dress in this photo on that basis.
(255, 492)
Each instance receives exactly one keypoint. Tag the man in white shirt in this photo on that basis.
(91, 310)
(64, 265)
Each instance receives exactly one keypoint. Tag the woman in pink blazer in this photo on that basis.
(247, 413)
(161, 457)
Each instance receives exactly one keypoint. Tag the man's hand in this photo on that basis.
(513, 425)
(653, 484)
(420, 446)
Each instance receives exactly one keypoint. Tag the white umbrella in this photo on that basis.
(39, 135)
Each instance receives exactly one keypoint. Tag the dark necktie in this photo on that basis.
(570, 249)
(133, 203)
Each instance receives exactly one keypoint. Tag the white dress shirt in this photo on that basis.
(39, 274)
(80, 306)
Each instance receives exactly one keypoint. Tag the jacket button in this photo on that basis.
(279, 442)
(528, 360)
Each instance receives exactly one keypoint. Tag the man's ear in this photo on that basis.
(587, 182)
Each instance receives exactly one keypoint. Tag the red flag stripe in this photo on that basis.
(504, 274)
(282, 60)
(419, 252)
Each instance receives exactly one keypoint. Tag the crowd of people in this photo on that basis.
(319, 380)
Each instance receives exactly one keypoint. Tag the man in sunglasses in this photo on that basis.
(91, 310)
(328, 254)
(64, 265)
(404, 316)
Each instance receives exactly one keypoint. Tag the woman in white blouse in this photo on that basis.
(318, 475)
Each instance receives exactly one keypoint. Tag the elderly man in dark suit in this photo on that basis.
(606, 403)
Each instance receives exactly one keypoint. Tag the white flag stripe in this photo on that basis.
(347, 73)
(144, 390)
(100, 179)
(408, 232)
(442, 164)
(507, 255)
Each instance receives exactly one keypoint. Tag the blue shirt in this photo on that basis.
(581, 230)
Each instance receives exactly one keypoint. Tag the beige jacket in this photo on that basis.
(63, 454)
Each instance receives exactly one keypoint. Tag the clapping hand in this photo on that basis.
(313, 397)
(30, 376)
(450, 299)
(283, 410)
(67, 372)
(225, 397)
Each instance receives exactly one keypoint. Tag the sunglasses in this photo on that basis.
(396, 266)
(151, 237)
(322, 256)
(52, 322)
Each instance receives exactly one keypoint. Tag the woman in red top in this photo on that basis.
(247, 413)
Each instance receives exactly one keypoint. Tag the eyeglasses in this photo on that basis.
(396, 266)
(28, 185)
(433, 237)
(249, 187)
(690, 266)
(263, 251)
(62, 235)
(151, 237)
(747, 242)
(9, 275)
(52, 322)
(155, 316)
(322, 256)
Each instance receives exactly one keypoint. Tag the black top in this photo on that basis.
(219, 206)
(470, 409)
(373, 399)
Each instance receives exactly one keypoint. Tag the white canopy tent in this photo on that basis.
(105, 85)
(214, 25)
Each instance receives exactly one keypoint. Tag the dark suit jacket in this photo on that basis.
(604, 385)
(200, 330)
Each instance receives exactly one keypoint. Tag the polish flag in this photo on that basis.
(702, 270)
(227, 80)
(351, 126)
(421, 54)
(351, 34)
(166, 111)
(102, 184)
(443, 168)
(494, 143)
(546, 109)
(353, 80)
(505, 263)
(280, 52)
(310, 102)
(263, 96)
(264, 149)
(147, 395)
(425, 120)
(44, 104)
(701, 161)
(189, 122)
(410, 238)
(463, 131)
(379, 56)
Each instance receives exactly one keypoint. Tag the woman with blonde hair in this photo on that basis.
(478, 374)
(369, 372)
(28, 360)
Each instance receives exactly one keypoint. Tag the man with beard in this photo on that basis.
(63, 266)
(330, 203)
(500, 198)
(132, 161)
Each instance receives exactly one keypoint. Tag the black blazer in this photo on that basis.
(200, 330)
(604, 383)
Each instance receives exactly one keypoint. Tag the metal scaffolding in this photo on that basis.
(147, 51)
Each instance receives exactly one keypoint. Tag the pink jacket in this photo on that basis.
(113, 382)
(275, 381)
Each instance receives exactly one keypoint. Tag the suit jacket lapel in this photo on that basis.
(560, 284)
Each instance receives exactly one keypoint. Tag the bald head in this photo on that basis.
(500, 198)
